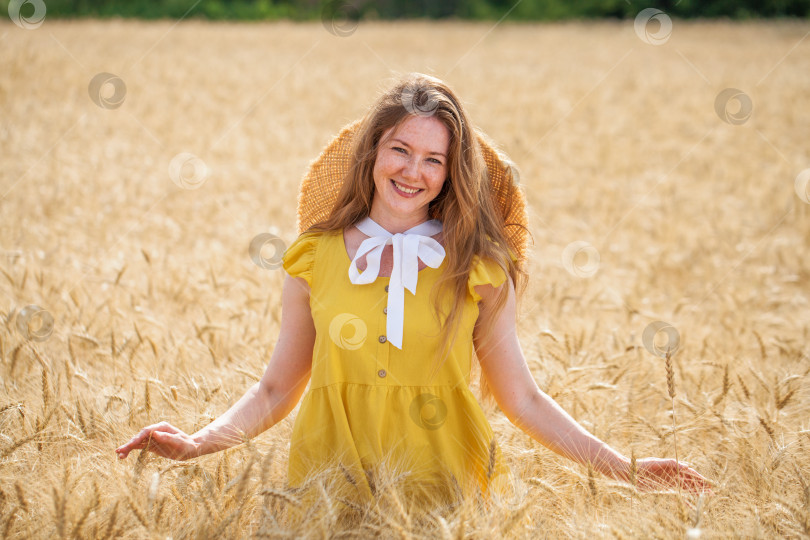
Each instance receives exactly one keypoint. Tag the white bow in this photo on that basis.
(413, 244)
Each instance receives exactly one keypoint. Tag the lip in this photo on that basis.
(402, 193)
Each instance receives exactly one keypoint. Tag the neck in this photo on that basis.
(397, 224)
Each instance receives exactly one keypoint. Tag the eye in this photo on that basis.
(436, 161)
(398, 149)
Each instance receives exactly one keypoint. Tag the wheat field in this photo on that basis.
(657, 202)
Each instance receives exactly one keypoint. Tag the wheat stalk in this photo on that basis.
(592, 482)
(137, 512)
(491, 462)
(671, 392)
(21, 497)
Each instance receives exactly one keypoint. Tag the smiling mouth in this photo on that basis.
(403, 189)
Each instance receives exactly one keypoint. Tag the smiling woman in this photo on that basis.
(409, 172)
(420, 202)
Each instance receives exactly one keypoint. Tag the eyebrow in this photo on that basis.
(406, 144)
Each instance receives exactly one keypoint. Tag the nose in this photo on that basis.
(411, 169)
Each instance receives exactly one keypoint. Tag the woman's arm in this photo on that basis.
(272, 398)
(264, 404)
(532, 410)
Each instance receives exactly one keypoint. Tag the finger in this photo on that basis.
(142, 441)
(130, 443)
(146, 432)
(692, 474)
(166, 427)
(152, 442)
(134, 444)
(155, 443)
(658, 480)
(697, 483)
(691, 480)
(138, 443)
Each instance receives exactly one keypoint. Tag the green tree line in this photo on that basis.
(525, 10)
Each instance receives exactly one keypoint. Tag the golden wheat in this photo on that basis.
(159, 313)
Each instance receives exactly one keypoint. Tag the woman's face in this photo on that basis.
(410, 168)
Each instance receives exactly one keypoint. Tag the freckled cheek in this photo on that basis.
(380, 171)
(386, 166)
(436, 182)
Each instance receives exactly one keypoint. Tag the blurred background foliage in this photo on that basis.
(429, 9)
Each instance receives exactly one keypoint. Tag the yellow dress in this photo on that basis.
(370, 403)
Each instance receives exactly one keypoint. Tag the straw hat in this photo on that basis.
(320, 186)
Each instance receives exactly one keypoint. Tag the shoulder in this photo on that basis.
(299, 257)
(485, 277)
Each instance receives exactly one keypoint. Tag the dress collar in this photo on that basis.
(409, 247)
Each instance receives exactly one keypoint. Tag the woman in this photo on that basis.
(390, 368)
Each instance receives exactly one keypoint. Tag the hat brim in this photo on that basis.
(325, 175)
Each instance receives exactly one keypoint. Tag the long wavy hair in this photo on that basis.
(471, 222)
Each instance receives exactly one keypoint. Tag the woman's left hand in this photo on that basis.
(656, 473)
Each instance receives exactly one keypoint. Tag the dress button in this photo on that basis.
(381, 373)
(385, 310)
(386, 288)
(382, 339)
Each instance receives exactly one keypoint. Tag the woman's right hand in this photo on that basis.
(164, 440)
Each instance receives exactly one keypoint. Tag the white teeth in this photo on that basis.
(403, 188)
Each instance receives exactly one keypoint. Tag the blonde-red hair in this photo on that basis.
(472, 224)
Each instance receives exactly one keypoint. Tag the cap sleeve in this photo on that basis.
(486, 272)
(299, 258)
